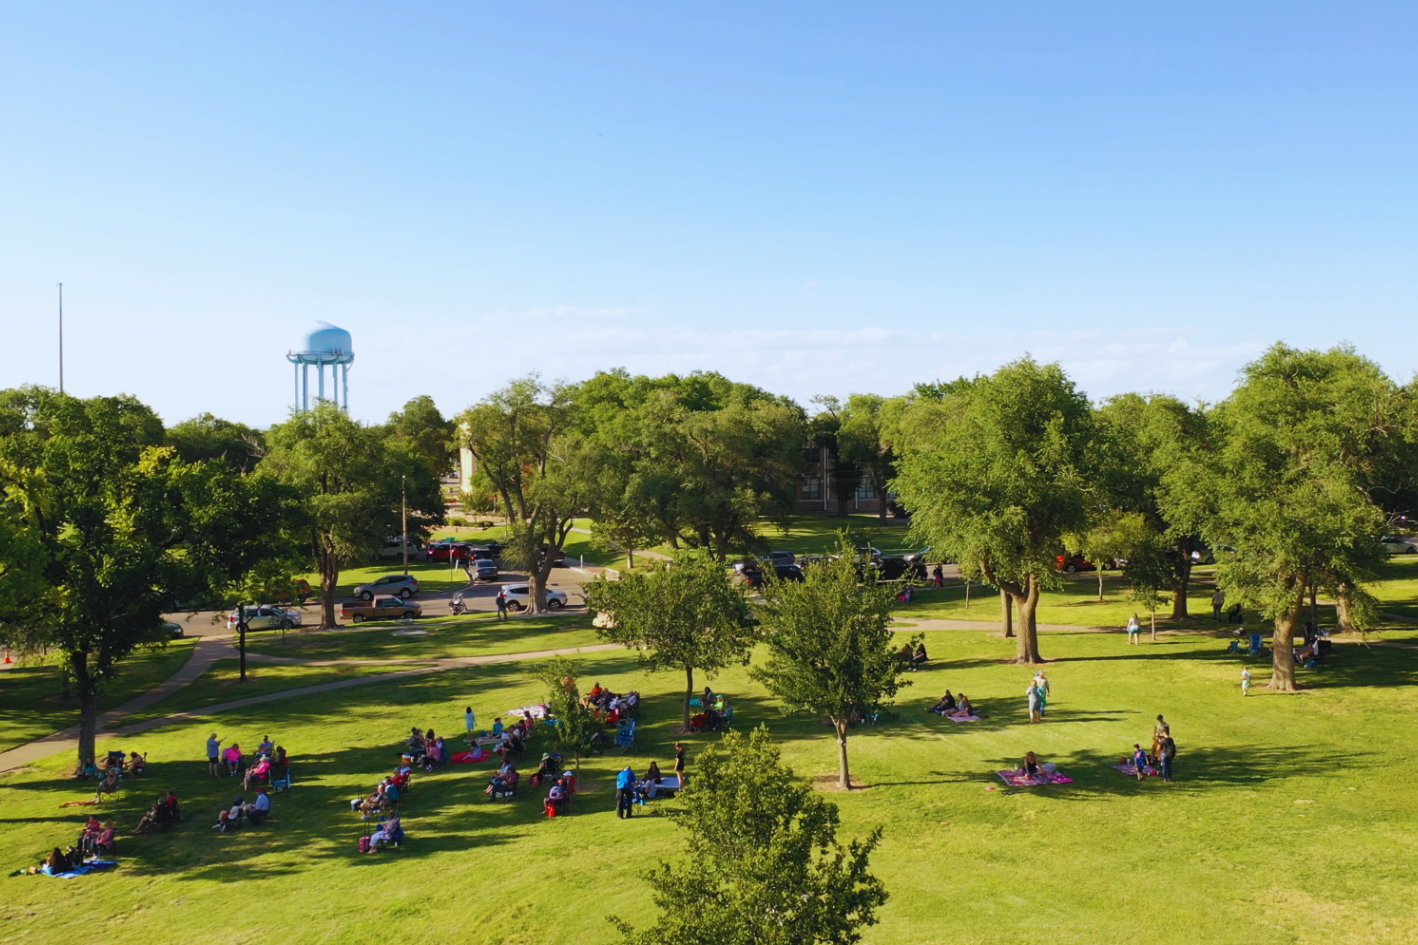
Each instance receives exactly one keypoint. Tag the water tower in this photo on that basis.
(325, 345)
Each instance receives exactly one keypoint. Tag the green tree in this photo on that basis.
(205, 437)
(996, 474)
(116, 528)
(713, 459)
(865, 443)
(350, 482)
(687, 614)
(419, 429)
(575, 723)
(1159, 457)
(830, 647)
(543, 471)
(763, 865)
(1302, 434)
(825, 430)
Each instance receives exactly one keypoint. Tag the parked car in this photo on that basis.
(405, 585)
(484, 569)
(894, 567)
(393, 550)
(782, 557)
(451, 550)
(558, 560)
(265, 617)
(1071, 563)
(171, 630)
(788, 572)
(1399, 544)
(519, 597)
(381, 608)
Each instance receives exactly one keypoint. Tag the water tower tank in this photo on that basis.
(325, 344)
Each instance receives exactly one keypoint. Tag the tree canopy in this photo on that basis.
(762, 864)
(830, 647)
(686, 614)
(996, 472)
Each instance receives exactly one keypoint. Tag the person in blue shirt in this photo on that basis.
(624, 793)
(497, 728)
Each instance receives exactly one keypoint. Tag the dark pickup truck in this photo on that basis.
(381, 608)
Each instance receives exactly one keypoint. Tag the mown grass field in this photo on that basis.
(1290, 819)
(32, 703)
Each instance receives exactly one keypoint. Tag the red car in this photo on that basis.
(1072, 563)
(444, 552)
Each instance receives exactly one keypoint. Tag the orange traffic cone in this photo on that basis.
(7, 655)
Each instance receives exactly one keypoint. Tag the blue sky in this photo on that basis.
(819, 198)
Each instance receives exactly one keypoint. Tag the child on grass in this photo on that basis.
(1245, 681)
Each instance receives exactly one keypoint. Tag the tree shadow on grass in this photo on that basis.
(1204, 770)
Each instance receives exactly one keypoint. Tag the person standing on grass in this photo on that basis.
(214, 752)
(1134, 630)
(1139, 760)
(1218, 601)
(1041, 683)
(1166, 751)
(501, 605)
(624, 792)
(1032, 694)
(679, 762)
(469, 720)
(1245, 680)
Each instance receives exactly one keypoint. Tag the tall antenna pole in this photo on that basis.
(61, 337)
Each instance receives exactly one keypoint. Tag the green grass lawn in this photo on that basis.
(32, 703)
(222, 683)
(469, 635)
(1287, 823)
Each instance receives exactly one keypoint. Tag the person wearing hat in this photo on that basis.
(256, 813)
(545, 771)
(556, 797)
(231, 819)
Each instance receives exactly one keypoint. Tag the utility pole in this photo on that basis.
(404, 516)
(241, 636)
(61, 337)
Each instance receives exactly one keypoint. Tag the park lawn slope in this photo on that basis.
(1285, 823)
(32, 703)
(469, 635)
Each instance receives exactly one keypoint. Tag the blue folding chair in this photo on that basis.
(1256, 648)
(625, 738)
(282, 783)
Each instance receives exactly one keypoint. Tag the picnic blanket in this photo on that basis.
(536, 711)
(967, 718)
(470, 757)
(1013, 778)
(1130, 770)
(91, 866)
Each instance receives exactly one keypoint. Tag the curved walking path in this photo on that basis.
(211, 649)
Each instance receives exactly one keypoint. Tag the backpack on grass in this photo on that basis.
(364, 844)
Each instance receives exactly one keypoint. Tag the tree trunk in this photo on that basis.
(1027, 648)
(88, 708)
(688, 694)
(1343, 610)
(844, 776)
(1314, 610)
(329, 579)
(539, 577)
(630, 559)
(1006, 614)
(1154, 624)
(1282, 678)
(1100, 582)
(1181, 578)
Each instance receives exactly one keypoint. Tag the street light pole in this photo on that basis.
(61, 337)
(404, 516)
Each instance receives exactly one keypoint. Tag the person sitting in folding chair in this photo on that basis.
(230, 819)
(109, 785)
(256, 813)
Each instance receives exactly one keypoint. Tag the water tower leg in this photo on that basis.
(295, 402)
(346, 385)
(304, 386)
(320, 370)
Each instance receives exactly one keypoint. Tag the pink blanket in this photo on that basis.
(470, 757)
(1013, 778)
(1130, 770)
(968, 718)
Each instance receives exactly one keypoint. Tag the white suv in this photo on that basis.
(519, 597)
